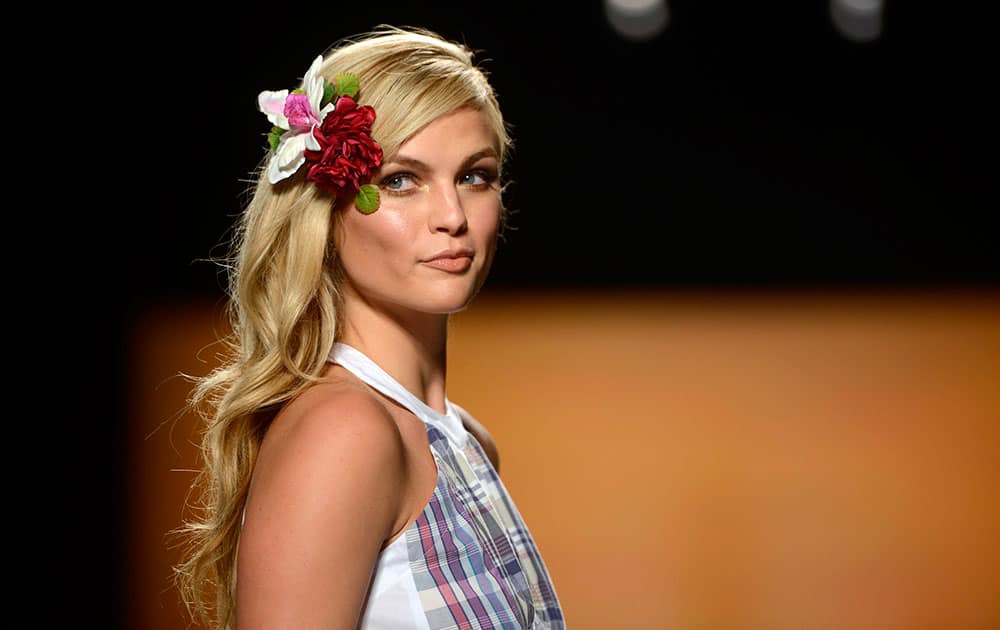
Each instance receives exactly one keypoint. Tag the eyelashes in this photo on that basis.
(397, 183)
(484, 178)
(403, 182)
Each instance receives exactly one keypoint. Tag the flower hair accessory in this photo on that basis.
(322, 127)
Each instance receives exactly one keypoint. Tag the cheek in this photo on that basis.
(382, 236)
(487, 223)
(489, 228)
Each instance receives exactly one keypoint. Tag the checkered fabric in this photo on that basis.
(473, 559)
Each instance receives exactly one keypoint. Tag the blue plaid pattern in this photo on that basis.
(474, 563)
(473, 559)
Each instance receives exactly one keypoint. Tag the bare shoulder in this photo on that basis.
(327, 491)
(482, 435)
(332, 440)
(332, 419)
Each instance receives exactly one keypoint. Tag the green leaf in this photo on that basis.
(329, 92)
(347, 84)
(367, 199)
(298, 91)
(274, 137)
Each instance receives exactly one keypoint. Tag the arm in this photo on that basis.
(327, 491)
(482, 436)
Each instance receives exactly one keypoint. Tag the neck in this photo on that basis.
(410, 346)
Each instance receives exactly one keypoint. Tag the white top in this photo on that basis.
(393, 602)
(468, 561)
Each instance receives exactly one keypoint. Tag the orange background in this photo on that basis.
(689, 460)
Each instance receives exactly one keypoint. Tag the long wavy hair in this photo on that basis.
(284, 294)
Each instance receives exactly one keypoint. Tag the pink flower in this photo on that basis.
(299, 111)
(298, 115)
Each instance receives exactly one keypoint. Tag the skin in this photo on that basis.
(342, 448)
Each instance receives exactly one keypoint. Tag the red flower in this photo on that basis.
(348, 155)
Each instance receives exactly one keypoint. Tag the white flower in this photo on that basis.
(298, 114)
(273, 105)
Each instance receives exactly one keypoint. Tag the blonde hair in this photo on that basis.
(284, 293)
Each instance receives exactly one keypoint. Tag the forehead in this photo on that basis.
(451, 136)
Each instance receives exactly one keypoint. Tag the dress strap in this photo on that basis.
(370, 372)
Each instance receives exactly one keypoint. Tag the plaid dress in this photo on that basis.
(468, 561)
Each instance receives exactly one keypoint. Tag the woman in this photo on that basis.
(341, 487)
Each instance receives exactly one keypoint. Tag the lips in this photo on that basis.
(454, 253)
(448, 263)
(454, 259)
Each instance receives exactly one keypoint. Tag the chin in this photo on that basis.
(449, 301)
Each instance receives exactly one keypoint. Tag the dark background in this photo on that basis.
(748, 147)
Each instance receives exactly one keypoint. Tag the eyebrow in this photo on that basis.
(414, 163)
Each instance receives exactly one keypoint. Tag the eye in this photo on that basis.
(479, 178)
(397, 182)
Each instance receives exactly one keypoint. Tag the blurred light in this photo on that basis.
(637, 20)
(857, 20)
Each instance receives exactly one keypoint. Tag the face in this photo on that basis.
(439, 194)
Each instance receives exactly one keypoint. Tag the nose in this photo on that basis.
(447, 212)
